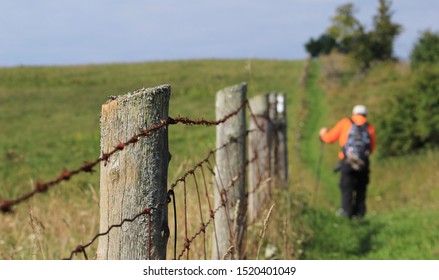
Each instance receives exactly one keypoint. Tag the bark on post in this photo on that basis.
(230, 221)
(135, 177)
(259, 168)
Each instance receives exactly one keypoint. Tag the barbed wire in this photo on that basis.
(6, 204)
(81, 248)
(171, 197)
(223, 204)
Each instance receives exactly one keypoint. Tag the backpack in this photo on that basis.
(357, 148)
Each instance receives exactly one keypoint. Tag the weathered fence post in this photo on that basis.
(278, 138)
(273, 137)
(135, 178)
(230, 221)
(259, 154)
(282, 150)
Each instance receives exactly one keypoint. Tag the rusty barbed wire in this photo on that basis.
(170, 197)
(223, 197)
(81, 248)
(206, 162)
(210, 206)
(204, 122)
(204, 225)
(6, 204)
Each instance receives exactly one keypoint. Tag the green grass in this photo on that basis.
(50, 116)
(398, 235)
(313, 155)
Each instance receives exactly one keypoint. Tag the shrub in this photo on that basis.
(411, 121)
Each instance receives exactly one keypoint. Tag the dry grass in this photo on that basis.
(264, 230)
(46, 228)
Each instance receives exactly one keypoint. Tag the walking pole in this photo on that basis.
(319, 167)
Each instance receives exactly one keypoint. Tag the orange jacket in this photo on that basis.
(341, 130)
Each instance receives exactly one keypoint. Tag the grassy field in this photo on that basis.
(49, 119)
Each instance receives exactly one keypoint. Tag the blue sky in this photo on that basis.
(59, 32)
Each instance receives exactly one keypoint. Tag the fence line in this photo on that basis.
(201, 167)
(6, 205)
(171, 198)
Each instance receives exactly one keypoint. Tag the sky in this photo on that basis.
(59, 32)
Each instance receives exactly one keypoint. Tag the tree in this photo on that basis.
(324, 45)
(313, 47)
(345, 27)
(425, 50)
(361, 50)
(327, 43)
(384, 33)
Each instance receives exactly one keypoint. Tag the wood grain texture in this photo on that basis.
(136, 177)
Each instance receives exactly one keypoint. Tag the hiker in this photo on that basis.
(357, 141)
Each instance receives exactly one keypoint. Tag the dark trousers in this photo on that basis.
(353, 187)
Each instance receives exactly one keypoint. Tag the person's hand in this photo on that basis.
(323, 130)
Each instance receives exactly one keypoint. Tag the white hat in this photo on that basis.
(359, 110)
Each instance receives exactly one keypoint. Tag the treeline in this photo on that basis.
(411, 118)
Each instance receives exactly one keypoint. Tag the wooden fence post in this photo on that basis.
(230, 221)
(135, 177)
(281, 130)
(259, 152)
(278, 138)
(273, 137)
